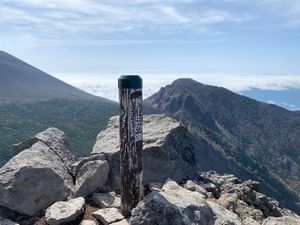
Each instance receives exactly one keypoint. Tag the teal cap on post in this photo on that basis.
(130, 81)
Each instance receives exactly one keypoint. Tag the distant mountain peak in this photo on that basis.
(237, 134)
(19, 81)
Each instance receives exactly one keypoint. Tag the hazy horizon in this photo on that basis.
(273, 89)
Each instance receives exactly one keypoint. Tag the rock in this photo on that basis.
(35, 178)
(250, 221)
(245, 211)
(88, 222)
(191, 186)
(154, 186)
(221, 181)
(57, 141)
(81, 161)
(209, 187)
(224, 216)
(269, 206)
(91, 177)
(108, 215)
(17, 148)
(228, 201)
(64, 212)
(4, 221)
(122, 222)
(107, 200)
(172, 205)
(247, 191)
(285, 220)
(167, 152)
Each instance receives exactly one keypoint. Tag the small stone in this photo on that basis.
(63, 212)
(107, 200)
(108, 215)
(88, 222)
(122, 222)
(209, 186)
(4, 221)
(154, 186)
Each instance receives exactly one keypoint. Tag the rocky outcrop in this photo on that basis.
(247, 193)
(45, 174)
(65, 212)
(39, 175)
(285, 220)
(173, 205)
(167, 152)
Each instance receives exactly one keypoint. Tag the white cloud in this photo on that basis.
(106, 85)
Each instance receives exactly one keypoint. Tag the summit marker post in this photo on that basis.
(131, 141)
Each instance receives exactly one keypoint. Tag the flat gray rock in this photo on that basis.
(34, 179)
(108, 215)
(167, 151)
(91, 177)
(4, 221)
(107, 200)
(64, 212)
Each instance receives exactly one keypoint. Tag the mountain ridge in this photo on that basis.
(20, 81)
(247, 137)
(32, 100)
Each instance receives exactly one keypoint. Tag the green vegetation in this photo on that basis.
(80, 119)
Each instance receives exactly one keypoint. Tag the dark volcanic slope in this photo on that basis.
(31, 101)
(21, 81)
(237, 134)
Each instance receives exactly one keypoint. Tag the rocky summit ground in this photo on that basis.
(44, 184)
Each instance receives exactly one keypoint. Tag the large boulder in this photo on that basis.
(55, 139)
(39, 175)
(173, 205)
(167, 150)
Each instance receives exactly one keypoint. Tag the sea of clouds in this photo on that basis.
(107, 85)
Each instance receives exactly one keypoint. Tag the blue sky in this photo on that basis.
(171, 36)
(215, 39)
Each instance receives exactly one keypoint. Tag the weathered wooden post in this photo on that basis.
(131, 141)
